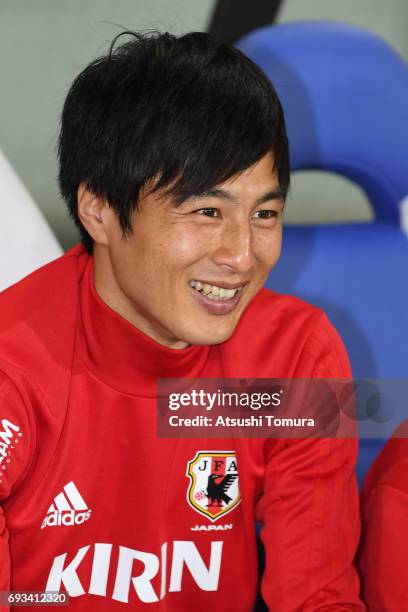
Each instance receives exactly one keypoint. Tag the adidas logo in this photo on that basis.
(69, 508)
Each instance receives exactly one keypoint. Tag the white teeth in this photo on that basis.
(213, 292)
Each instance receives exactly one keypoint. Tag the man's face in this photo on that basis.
(187, 272)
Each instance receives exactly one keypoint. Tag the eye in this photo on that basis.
(266, 214)
(208, 212)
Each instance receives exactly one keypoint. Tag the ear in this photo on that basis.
(95, 214)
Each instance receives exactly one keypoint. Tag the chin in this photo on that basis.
(209, 338)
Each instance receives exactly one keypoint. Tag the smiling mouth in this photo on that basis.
(215, 292)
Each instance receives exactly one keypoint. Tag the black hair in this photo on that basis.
(185, 113)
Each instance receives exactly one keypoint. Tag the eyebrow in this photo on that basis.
(223, 194)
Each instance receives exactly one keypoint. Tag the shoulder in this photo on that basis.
(281, 311)
(274, 313)
(42, 298)
(294, 336)
(39, 292)
(38, 318)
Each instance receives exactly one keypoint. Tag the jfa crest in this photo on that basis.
(214, 486)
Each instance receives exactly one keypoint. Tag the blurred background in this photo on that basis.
(341, 71)
(345, 95)
(44, 44)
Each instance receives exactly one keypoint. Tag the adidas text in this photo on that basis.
(68, 508)
(70, 517)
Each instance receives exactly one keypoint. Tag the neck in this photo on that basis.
(124, 357)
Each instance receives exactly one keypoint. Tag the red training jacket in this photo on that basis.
(96, 505)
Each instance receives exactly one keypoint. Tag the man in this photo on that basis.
(384, 546)
(174, 164)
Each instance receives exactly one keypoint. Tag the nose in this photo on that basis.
(235, 247)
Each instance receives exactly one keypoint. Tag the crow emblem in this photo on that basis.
(214, 483)
(217, 491)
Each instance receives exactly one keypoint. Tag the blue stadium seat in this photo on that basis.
(345, 96)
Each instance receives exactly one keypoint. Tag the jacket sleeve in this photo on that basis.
(384, 549)
(309, 507)
(16, 448)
